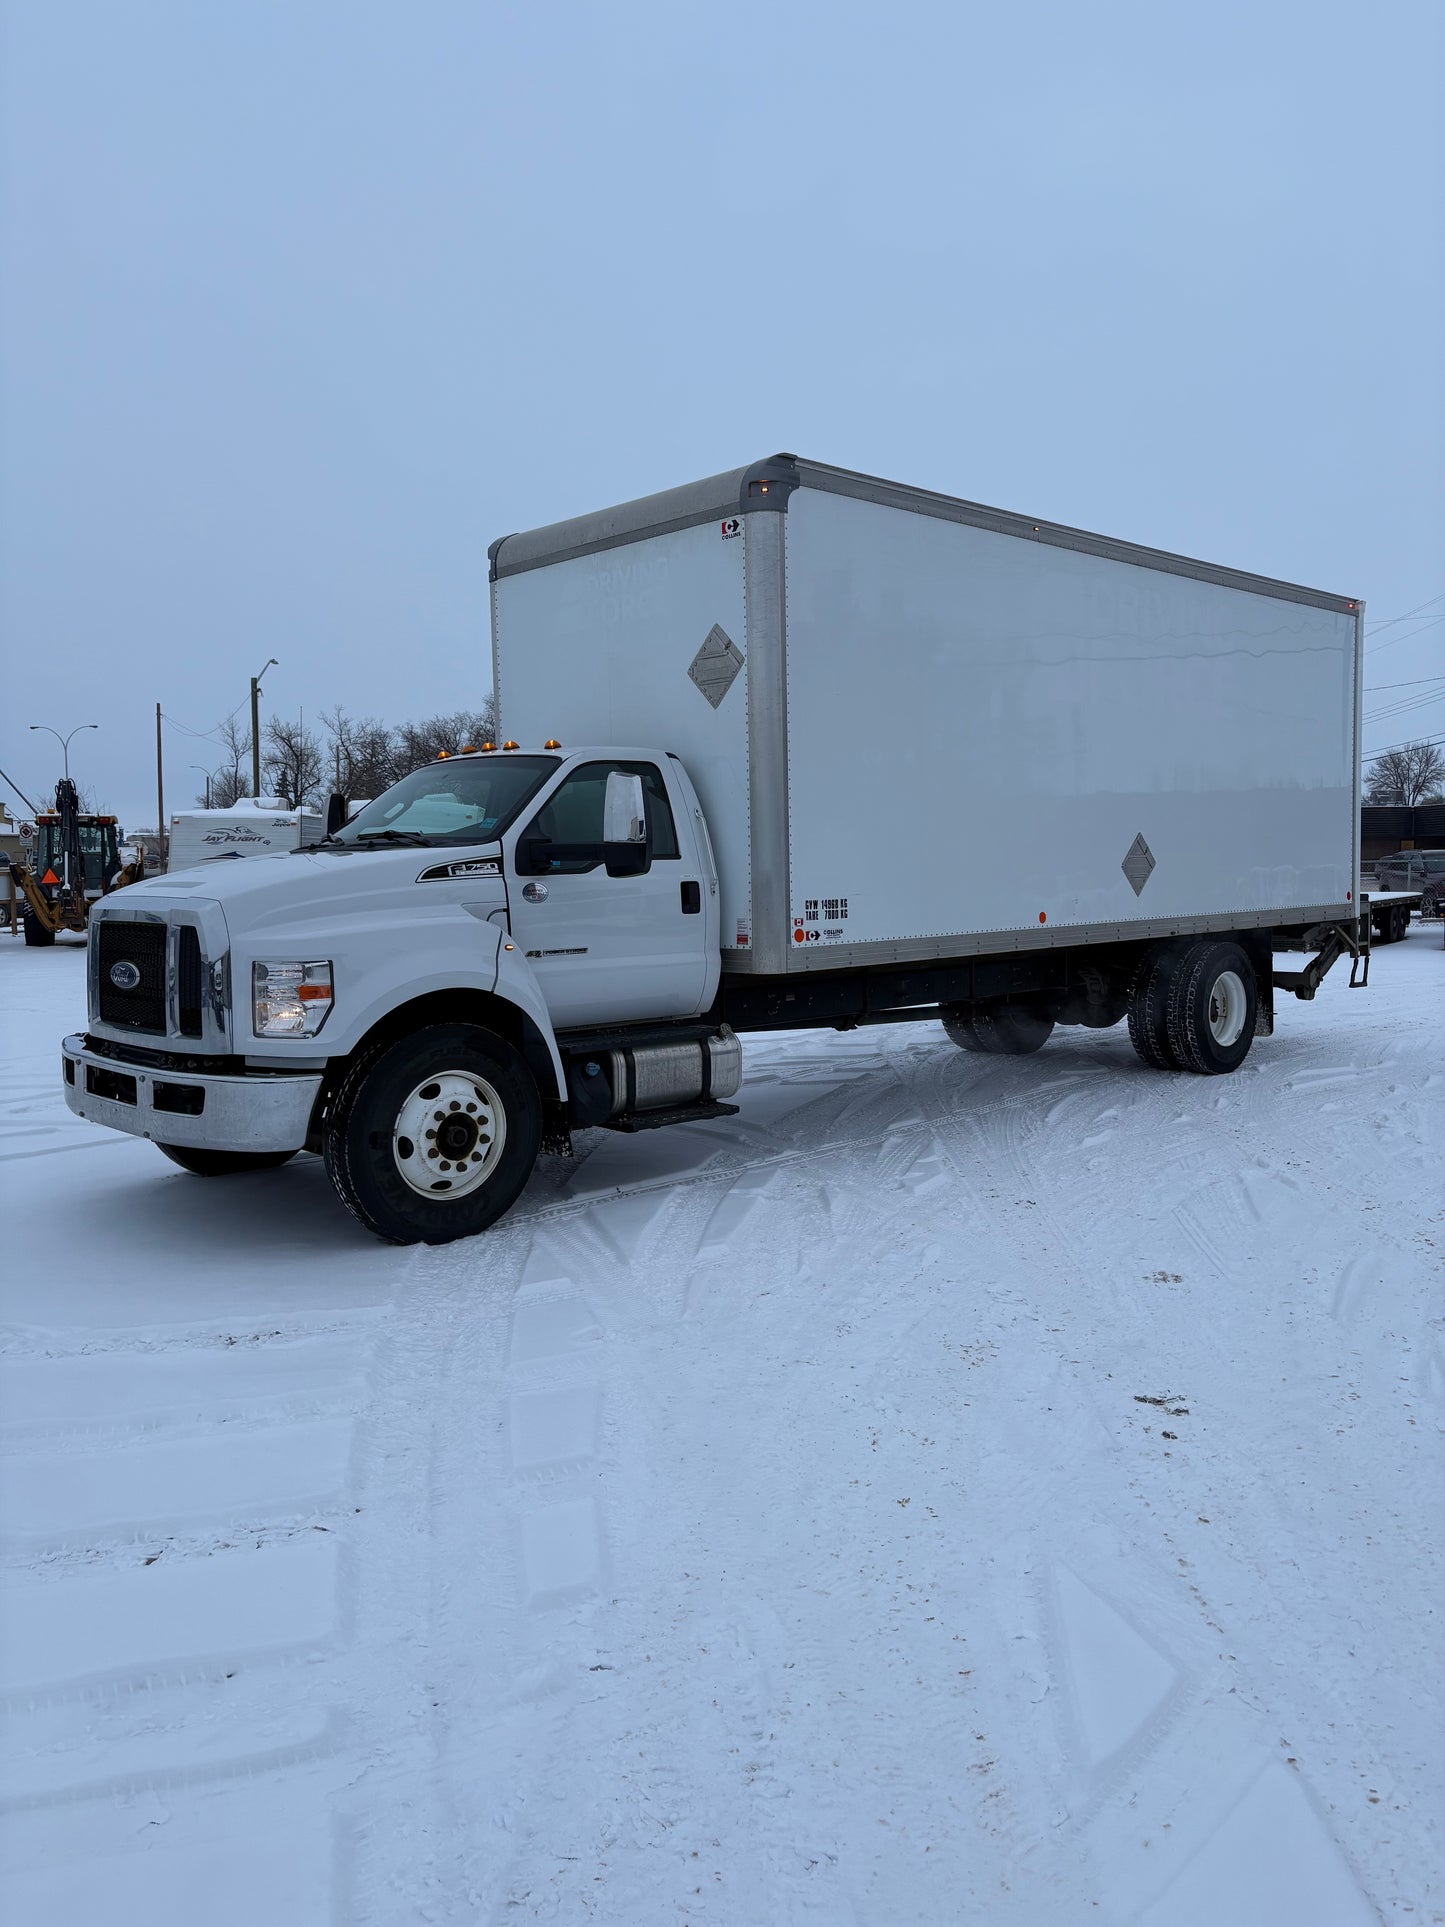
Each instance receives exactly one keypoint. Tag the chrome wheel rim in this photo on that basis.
(1227, 1008)
(449, 1135)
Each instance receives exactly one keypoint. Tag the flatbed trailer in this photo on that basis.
(1389, 912)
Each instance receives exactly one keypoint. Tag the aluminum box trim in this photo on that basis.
(724, 494)
(1062, 936)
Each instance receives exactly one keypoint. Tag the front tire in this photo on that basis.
(433, 1138)
(202, 1163)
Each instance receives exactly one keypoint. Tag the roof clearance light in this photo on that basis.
(469, 749)
(551, 743)
(487, 748)
(442, 755)
(509, 744)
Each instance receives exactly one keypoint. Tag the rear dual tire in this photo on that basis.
(1193, 1006)
(998, 1030)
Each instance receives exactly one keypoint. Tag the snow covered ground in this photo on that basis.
(955, 1490)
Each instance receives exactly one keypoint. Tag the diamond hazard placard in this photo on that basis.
(1138, 864)
(715, 666)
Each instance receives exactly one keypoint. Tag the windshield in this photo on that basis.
(468, 799)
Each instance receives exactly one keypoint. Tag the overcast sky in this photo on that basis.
(301, 305)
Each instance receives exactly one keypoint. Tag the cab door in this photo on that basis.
(609, 949)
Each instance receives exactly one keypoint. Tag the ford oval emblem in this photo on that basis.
(124, 975)
(535, 892)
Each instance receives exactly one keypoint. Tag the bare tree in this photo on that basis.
(1412, 774)
(232, 780)
(419, 743)
(363, 758)
(291, 762)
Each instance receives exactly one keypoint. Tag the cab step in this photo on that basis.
(670, 1114)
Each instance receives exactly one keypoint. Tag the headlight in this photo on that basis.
(290, 999)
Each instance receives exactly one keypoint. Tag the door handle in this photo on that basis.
(691, 899)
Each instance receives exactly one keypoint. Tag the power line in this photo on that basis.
(185, 728)
(1390, 621)
(1405, 706)
(1372, 688)
(1390, 642)
(1423, 742)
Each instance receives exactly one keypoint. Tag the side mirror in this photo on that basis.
(626, 859)
(626, 844)
(335, 812)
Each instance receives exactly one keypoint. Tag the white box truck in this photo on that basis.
(252, 826)
(787, 747)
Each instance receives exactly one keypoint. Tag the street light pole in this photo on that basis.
(207, 774)
(64, 741)
(256, 726)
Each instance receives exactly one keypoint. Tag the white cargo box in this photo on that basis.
(922, 729)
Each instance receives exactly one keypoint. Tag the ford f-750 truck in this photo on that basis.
(787, 747)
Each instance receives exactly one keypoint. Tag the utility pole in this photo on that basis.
(207, 774)
(256, 726)
(160, 796)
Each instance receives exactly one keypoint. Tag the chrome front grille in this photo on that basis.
(132, 971)
(164, 974)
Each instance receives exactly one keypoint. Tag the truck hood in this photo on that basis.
(265, 891)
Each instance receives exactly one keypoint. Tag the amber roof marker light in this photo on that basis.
(551, 743)
(509, 744)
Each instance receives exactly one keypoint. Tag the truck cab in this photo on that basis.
(508, 943)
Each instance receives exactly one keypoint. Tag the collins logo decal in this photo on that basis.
(733, 526)
(124, 975)
(535, 892)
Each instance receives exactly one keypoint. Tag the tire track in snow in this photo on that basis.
(175, 1575)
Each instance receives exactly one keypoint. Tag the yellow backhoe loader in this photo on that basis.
(77, 861)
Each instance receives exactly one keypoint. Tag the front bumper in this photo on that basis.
(263, 1111)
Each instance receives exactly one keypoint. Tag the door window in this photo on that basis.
(574, 811)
